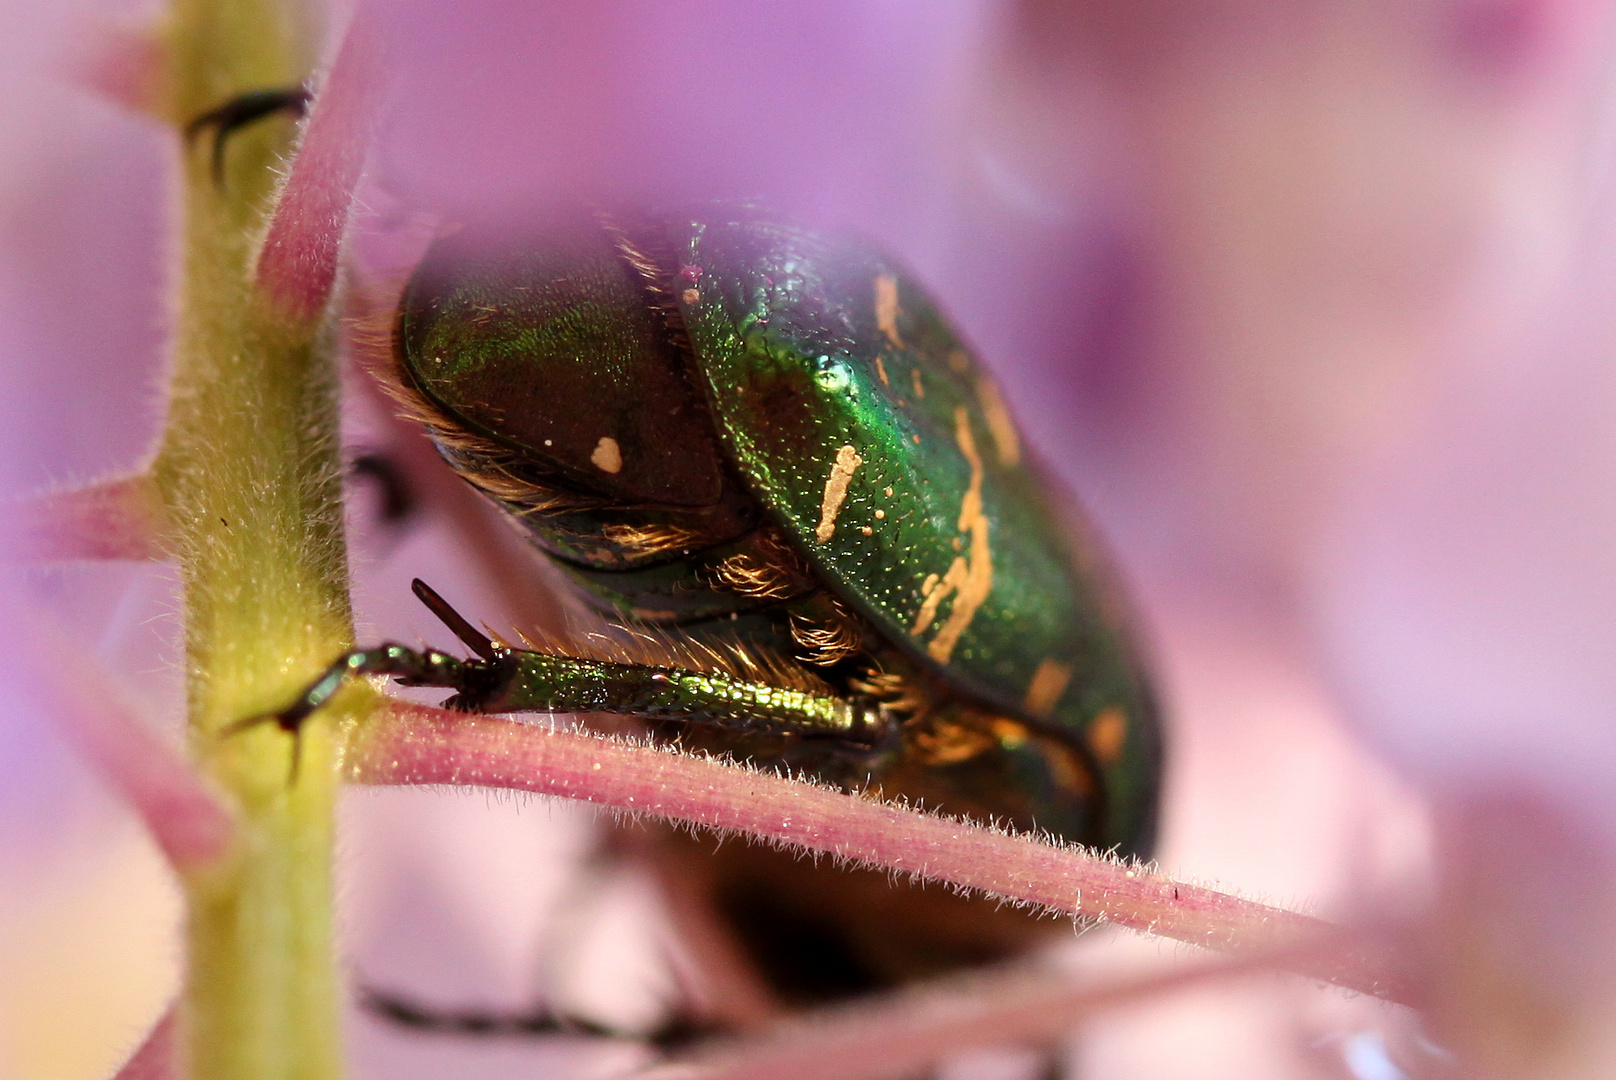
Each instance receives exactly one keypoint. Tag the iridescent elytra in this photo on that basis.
(798, 502)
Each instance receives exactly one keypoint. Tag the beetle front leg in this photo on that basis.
(412, 667)
(539, 682)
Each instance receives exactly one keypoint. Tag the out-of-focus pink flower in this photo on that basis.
(88, 913)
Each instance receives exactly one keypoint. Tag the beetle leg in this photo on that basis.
(412, 1014)
(411, 667)
(240, 111)
(677, 1031)
(399, 500)
(539, 682)
(502, 679)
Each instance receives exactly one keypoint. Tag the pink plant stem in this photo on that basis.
(155, 1058)
(409, 744)
(898, 1035)
(190, 823)
(297, 267)
(115, 519)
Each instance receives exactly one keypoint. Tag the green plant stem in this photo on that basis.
(250, 474)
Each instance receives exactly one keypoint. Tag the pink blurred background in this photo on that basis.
(1308, 302)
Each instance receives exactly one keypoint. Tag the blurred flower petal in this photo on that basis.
(186, 818)
(832, 106)
(1467, 591)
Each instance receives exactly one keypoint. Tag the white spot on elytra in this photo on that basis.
(608, 456)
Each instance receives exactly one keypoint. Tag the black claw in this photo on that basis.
(289, 721)
(297, 759)
(240, 111)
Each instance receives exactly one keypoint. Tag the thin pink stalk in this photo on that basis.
(155, 1058)
(409, 744)
(902, 1033)
(297, 267)
(190, 824)
(115, 519)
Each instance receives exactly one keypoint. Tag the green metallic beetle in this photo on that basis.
(768, 459)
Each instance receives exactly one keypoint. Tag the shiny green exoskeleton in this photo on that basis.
(768, 457)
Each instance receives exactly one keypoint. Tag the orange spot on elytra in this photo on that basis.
(886, 310)
(830, 504)
(970, 577)
(1000, 426)
(1108, 731)
(1047, 686)
(608, 456)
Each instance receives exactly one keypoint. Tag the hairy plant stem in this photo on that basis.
(249, 473)
(416, 744)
